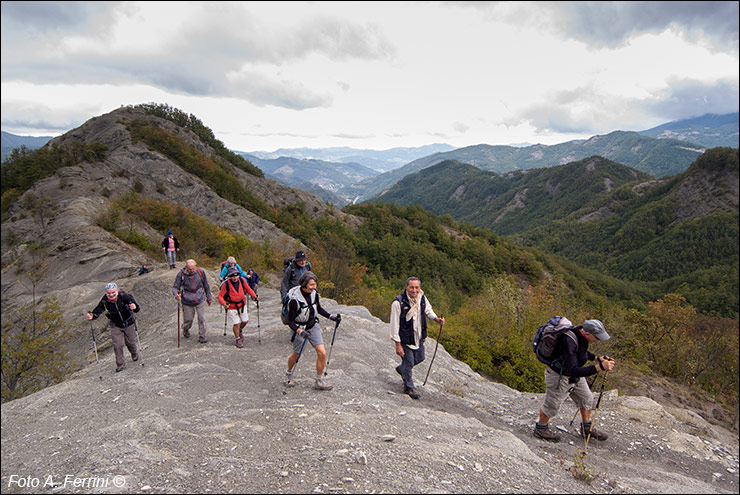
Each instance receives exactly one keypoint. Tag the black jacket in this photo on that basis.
(574, 356)
(118, 311)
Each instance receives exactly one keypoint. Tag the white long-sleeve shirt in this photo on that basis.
(396, 321)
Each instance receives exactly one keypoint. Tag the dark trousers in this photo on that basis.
(410, 359)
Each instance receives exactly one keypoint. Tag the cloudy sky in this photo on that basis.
(377, 75)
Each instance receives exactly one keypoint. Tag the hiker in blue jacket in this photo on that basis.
(252, 279)
(230, 261)
(570, 381)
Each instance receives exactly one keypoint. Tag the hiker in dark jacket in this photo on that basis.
(191, 286)
(303, 309)
(233, 297)
(120, 308)
(409, 314)
(570, 380)
(253, 279)
(293, 272)
(170, 246)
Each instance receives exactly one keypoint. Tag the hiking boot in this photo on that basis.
(239, 343)
(134, 359)
(411, 393)
(186, 334)
(288, 382)
(546, 434)
(322, 385)
(202, 340)
(595, 434)
(121, 368)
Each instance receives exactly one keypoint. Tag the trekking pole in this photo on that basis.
(593, 418)
(178, 323)
(435, 352)
(578, 408)
(95, 347)
(138, 343)
(259, 333)
(297, 359)
(339, 319)
(226, 313)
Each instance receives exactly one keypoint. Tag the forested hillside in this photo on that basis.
(679, 233)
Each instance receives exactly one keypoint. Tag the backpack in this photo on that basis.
(286, 301)
(547, 336)
(288, 261)
(228, 291)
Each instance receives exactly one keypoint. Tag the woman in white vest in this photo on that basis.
(303, 309)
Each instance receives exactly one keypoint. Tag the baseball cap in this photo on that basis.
(596, 328)
(300, 255)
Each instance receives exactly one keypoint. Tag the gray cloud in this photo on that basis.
(51, 18)
(687, 98)
(563, 111)
(610, 24)
(21, 117)
(201, 58)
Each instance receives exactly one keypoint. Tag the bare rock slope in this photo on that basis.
(214, 418)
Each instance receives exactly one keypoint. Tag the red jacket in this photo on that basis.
(237, 295)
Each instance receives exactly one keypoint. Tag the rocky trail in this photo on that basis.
(214, 418)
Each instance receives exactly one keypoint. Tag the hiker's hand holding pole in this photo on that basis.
(440, 320)
(89, 315)
(605, 363)
(177, 296)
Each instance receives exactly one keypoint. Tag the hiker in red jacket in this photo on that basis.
(233, 297)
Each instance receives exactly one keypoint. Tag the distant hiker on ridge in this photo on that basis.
(303, 309)
(191, 286)
(409, 313)
(292, 271)
(233, 297)
(170, 246)
(120, 308)
(570, 379)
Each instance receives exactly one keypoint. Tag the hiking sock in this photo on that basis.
(586, 427)
(540, 426)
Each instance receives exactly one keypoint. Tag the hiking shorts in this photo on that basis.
(314, 339)
(555, 396)
(235, 316)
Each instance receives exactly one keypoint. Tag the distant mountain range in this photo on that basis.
(322, 178)
(656, 157)
(11, 142)
(708, 130)
(380, 160)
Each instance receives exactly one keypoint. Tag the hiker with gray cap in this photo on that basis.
(120, 308)
(569, 379)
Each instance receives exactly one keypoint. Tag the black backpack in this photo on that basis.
(546, 338)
